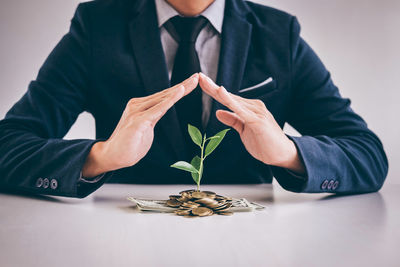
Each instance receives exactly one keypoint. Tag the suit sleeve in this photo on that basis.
(340, 153)
(33, 155)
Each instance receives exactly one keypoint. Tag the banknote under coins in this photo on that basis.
(192, 203)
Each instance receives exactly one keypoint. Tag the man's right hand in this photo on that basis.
(133, 136)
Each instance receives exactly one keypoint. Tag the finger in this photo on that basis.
(190, 84)
(145, 103)
(254, 105)
(208, 86)
(234, 105)
(230, 119)
(220, 94)
(155, 100)
(157, 111)
(212, 89)
(246, 102)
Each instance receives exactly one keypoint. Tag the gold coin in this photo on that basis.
(182, 199)
(222, 210)
(210, 194)
(223, 207)
(222, 202)
(187, 191)
(219, 197)
(199, 195)
(189, 206)
(206, 201)
(202, 211)
(173, 203)
(212, 205)
(192, 203)
(187, 195)
(182, 212)
(185, 208)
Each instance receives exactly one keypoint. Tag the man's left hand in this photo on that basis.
(260, 133)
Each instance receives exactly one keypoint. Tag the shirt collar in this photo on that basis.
(214, 13)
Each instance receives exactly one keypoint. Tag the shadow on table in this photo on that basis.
(24, 194)
(129, 208)
(263, 195)
(371, 207)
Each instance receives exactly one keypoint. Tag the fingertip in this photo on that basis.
(230, 119)
(221, 118)
(192, 81)
(203, 81)
(208, 82)
(219, 111)
(196, 76)
(195, 79)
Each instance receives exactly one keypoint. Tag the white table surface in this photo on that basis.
(294, 230)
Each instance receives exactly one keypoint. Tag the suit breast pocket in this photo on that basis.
(259, 90)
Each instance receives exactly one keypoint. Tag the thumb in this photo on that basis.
(230, 119)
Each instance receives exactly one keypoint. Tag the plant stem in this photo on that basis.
(201, 163)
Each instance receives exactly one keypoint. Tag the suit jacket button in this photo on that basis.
(53, 184)
(324, 184)
(39, 182)
(335, 185)
(46, 183)
(331, 182)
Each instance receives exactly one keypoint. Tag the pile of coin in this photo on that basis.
(200, 203)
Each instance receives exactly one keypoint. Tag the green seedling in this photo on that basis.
(207, 146)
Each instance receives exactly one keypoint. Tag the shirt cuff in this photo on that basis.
(86, 186)
(91, 180)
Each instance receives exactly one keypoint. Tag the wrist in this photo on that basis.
(96, 162)
(292, 159)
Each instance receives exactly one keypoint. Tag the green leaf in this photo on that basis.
(214, 142)
(183, 165)
(213, 137)
(195, 134)
(196, 163)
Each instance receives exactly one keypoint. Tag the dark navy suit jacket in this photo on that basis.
(113, 53)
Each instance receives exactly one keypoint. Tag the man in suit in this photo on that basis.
(256, 74)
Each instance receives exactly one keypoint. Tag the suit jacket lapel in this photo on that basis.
(149, 55)
(235, 42)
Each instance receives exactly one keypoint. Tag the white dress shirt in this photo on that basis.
(208, 44)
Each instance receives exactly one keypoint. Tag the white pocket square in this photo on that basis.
(267, 81)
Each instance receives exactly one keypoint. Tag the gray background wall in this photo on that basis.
(357, 40)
